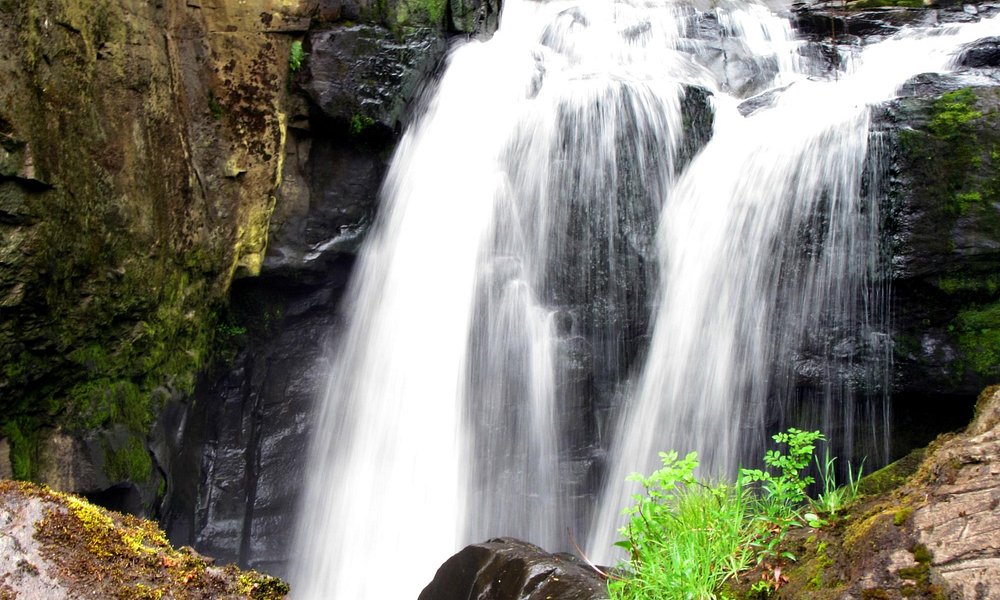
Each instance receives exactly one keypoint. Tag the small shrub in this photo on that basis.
(295, 56)
(686, 537)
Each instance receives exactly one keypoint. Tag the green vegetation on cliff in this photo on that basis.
(123, 227)
(952, 160)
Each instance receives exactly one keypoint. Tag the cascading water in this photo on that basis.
(515, 279)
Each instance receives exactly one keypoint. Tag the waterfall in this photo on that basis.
(557, 270)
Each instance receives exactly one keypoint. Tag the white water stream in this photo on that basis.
(544, 231)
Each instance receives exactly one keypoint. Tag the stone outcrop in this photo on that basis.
(509, 569)
(141, 145)
(943, 229)
(932, 534)
(58, 546)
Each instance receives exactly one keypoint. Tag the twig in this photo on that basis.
(583, 555)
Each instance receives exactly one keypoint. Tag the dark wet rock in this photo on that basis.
(365, 74)
(859, 22)
(237, 456)
(479, 18)
(741, 72)
(984, 53)
(763, 100)
(943, 228)
(327, 201)
(509, 569)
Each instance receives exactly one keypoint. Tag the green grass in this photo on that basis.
(687, 537)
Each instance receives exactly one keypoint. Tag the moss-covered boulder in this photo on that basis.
(57, 545)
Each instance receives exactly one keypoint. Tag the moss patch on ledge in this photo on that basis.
(866, 4)
(110, 555)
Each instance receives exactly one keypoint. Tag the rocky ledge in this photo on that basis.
(58, 546)
(925, 528)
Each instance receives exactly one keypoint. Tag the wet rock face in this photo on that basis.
(509, 569)
(984, 53)
(944, 233)
(366, 74)
(236, 456)
(140, 144)
(479, 18)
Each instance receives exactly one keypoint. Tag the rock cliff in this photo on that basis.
(141, 145)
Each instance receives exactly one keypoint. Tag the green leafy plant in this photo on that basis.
(786, 489)
(833, 497)
(686, 537)
(295, 56)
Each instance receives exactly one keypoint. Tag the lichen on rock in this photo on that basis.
(60, 546)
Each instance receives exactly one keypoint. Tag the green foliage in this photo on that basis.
(686, 537)
(787, 488)
(130, 462)
(295, 56)
(833, 497)
(359, 123)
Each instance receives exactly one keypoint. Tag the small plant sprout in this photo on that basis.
(295, 56)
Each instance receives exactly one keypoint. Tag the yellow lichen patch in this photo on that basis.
(105, 554)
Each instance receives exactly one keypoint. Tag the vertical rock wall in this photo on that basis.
(141, 144)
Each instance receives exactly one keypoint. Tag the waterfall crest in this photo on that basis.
(556, 273)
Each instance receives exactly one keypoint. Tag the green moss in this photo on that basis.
(964, 201)
(262, 587)
(969, 283)
(950, 153)
(952, 113)
(421, 12)
(892, 476)
(117, 556)
(131, 462)
(821, 563)
(921, 554)
(902, 516)
(360, 123)
(978, 330)
(23, 442)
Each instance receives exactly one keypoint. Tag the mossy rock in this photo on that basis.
(87, 550)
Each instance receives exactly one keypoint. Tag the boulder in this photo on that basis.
(939, 142)
(56, 546)
(509, 569)
(984, 53)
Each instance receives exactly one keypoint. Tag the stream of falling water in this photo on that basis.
(547, 232)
